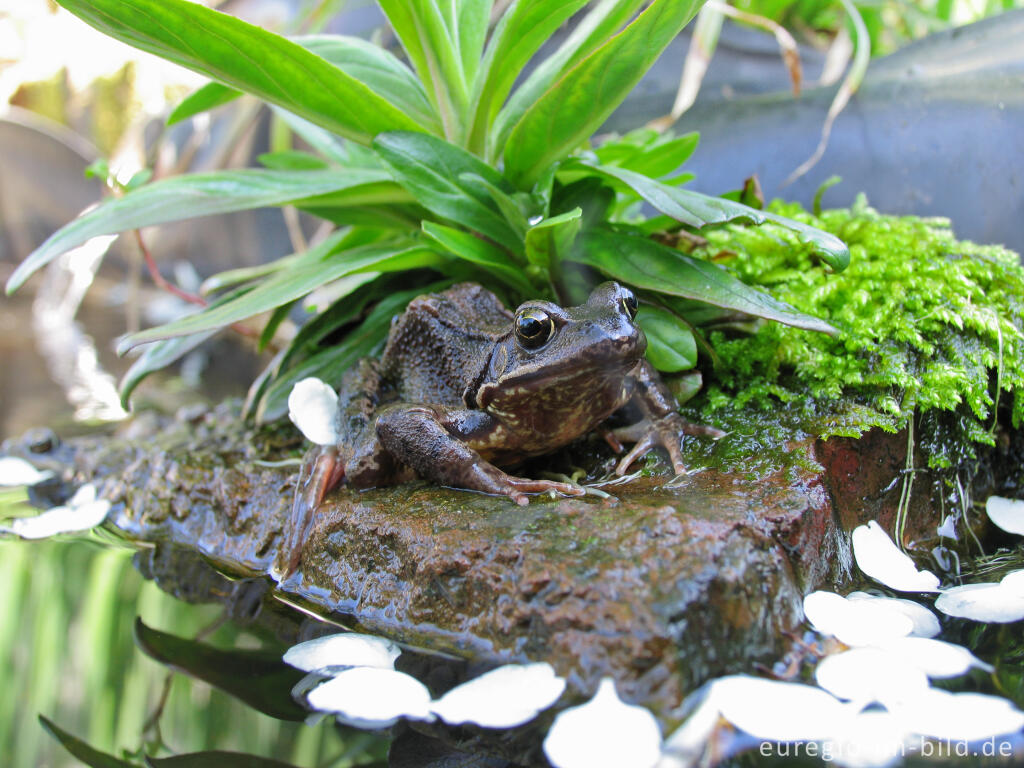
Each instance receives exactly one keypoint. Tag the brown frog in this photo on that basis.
(465, 386)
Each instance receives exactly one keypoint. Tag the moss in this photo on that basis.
(926, 324)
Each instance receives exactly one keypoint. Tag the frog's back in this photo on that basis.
(442, 343)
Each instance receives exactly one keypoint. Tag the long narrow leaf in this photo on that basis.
(699, 210)
(473, 18)
(432, 170)
(569, 112)
(184, 197)
(654, 267)
(600, 23)
(246, 57)
(289, 286)
(476, 251)
(211, 95)
(82, 751)
(524, 27)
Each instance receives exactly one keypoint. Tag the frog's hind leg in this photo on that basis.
(437, 442)
(322, 469)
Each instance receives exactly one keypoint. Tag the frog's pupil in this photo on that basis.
(630, 303)
(529, 327)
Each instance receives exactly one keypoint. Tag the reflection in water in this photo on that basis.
(70, 353)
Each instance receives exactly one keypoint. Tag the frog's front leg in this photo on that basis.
(661, 426)
(438, 443)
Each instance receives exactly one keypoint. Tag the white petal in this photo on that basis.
(365, 697)
(880, 559)
(84, 496)
(1013, 582)
(686, 744)
(346, 649)
(15, 471)
(948, 528)
(855, 622)
(313, 408)
(940, 714)
(604, 732)
(926, 624)
(983, 602)
(65, 519)
(865, 675)
(935, 658)
(1008, 514)
(870, 739)
(776, 711)
(502, 698)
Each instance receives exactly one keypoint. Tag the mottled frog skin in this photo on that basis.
(464, 386)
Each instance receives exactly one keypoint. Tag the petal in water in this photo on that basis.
(939, 714)
(502, 698)
(604, 732)
(866, 675)
(989, 602)
(948, 528)
(935, 658)
(313, 408)
(1008, 514)
(880, 559)
(365, 697)
(82, 512)
(872, 739)
(855, 622)
(687, 743)
(776, 711)
(15, 471)
(926, 624)
(346, 649)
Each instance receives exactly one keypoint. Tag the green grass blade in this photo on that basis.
(248, 58)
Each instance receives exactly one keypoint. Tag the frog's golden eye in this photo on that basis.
(629, 303)
(533, 327)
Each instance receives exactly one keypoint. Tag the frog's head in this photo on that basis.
(552, 353)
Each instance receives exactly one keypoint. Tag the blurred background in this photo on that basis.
(78, 110)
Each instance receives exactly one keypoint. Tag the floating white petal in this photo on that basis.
(313, 408)
(15, 471)
(347, 649)
(686, 744)
(1013, 582)
(855, 622)
(948, 528)
(1008, 514)
(935, 658)
(989, 602)
(871, 739)
(968, 717)
(926, 624)
(502, 698)
(604, 733)
(776, 711)
(879, 558)
(366, 697)
(866, 675)
(82, 512)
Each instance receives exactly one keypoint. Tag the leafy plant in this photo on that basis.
(436, 166)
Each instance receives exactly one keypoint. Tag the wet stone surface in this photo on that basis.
(659, 587)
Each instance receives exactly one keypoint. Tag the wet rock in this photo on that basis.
(659, 586)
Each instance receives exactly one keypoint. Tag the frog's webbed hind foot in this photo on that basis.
(666, 432)
(322, 469)
(437, 443)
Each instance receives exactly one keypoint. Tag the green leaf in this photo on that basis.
(424, 35)
(81, 751)
(201, 194)
(569, 112)
(246, 57)
(292, 284)
(258, 678)
(233, 277)
(699, 210)
(655, 157)
(472, 19)
(379, 69)
(670, 344)
(156, 357)
(600, 23)
(215, 759)
(651, 266)
(523, 28)
(203, 99)
(292, 160)
(476, 251)
(550, 240)
(432, 170)
(331, 363)
(510, 208)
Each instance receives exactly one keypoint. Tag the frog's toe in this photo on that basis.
(522, 485)
(643, 445)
